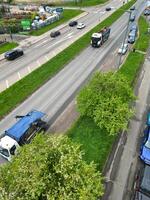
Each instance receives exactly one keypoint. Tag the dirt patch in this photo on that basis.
(65, 120)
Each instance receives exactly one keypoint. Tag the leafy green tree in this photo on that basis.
(51, 168)
(106, 100)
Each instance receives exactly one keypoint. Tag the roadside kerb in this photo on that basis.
(34, 39)
(51, 55)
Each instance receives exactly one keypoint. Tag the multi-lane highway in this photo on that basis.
(53, 97)
(46, 48)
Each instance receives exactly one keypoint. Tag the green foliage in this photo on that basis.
(95, 142)
(50, 168)
(142, 43)
(106, 100)
(7, 46)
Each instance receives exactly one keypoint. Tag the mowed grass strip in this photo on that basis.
(83, 3)
(7, 46)
(95, 142)
(18, 92)
(68, 14)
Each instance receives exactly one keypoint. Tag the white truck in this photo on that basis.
(21, 133)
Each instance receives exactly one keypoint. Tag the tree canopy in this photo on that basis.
(51, 168)
(106, 100)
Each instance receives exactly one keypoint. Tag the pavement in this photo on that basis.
(120, 174)
(47, 48)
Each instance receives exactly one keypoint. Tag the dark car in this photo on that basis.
(132, 18)
(108, 8)
(132, 8)
(145, 147)
(142, 184)
(11, 55)
(55, 34)
(131, 39)
(73, 23)
(147, 12)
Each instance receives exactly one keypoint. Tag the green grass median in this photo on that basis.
(67, 15)
(7, 46)
(18, 92)
(84, 3)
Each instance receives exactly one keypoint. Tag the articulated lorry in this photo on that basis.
(22, 132)
(99, 38)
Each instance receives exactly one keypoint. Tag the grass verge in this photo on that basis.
(67, 15)
(84, 3)
(7, 46)
(18, 92)
(97, 143)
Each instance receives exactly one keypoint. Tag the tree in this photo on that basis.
(106, 100)
(51, 168)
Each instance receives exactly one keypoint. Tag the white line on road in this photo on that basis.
(38, 62)
(19, 75)
(7, 84)
(70, 34)
(46, 58)
(29, 69)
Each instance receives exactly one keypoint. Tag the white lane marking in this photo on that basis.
(46, 58)
(38, 62)
(29, 69)
(102, 12)
(7, 84)
(70, 34)
(19, 75)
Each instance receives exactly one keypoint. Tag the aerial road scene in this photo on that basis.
(74, 100)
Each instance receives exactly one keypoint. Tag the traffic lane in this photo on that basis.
(53, 95)
(9, 80)
(9, 68)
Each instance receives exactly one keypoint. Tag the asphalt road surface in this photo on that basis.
(53, 97)
(46, 48)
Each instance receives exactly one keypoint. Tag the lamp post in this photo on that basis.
(125, 36)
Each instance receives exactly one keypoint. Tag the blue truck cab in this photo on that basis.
(22, 132)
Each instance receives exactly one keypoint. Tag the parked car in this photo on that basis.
(145, 147)
(55, 34)
(80, 26)
(131, 39)
(142, 184)
(13, 54)
(123, 49)
(133, 27)
(132, 8)
(73, 23)
(147, 12)
(108, 8)
(132, 33)
(132, 18)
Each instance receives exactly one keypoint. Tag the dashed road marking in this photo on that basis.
(7, 84)
(29, 69)
(38, 62)
(19, 75)
(46, 58)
